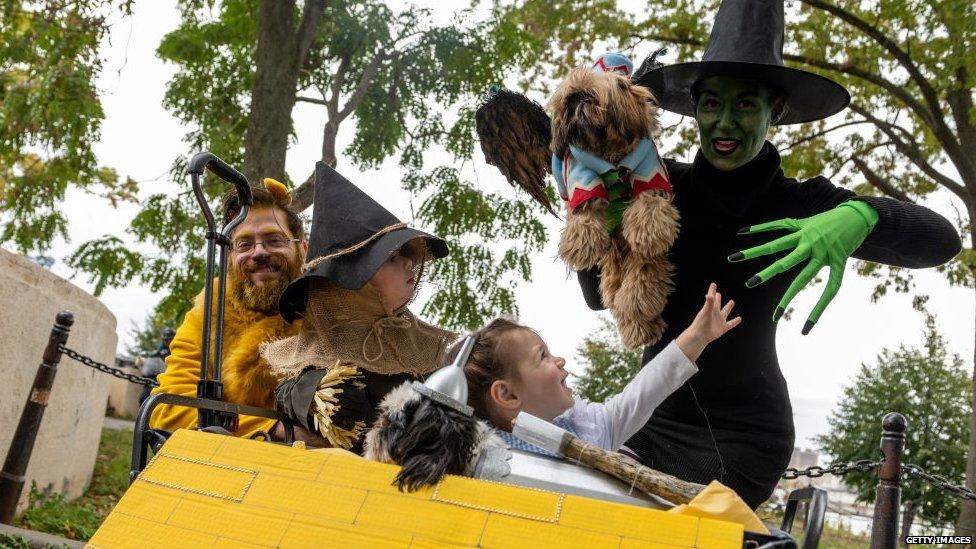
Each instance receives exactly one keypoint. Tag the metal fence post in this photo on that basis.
(12, 477)
(887, 498)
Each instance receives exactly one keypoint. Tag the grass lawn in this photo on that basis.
(837, 538)
(80, 518)
(832, 537)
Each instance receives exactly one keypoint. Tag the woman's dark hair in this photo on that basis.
(777, 97)
(487, 363)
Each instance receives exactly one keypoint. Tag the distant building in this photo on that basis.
(801, 459)
(804, 458)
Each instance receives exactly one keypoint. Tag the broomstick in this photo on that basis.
(558, 441)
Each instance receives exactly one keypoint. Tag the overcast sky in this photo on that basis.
(140, 139)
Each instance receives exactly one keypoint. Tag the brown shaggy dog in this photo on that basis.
(605, 114)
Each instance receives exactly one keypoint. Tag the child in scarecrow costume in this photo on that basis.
(358, 339)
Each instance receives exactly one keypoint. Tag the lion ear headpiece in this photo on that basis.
(278, 189)
(351, 237)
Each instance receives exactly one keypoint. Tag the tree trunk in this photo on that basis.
(281, 50)
(273, 94)
(907, 518)
(966, 524)
(329, 134)
(303, 195)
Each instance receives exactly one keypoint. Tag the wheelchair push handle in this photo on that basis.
(211, 388)
(208, 160)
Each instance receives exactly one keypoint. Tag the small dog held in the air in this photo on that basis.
(617, 192)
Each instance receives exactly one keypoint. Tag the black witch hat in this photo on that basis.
(747, 41)
(352, 236)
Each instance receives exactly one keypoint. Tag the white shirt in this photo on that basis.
(611, 423)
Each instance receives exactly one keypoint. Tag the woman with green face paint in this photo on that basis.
(733, 421)
(734, 115)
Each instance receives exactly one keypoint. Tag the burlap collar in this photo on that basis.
(353, 327)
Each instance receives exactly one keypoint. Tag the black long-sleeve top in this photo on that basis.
(740, 391)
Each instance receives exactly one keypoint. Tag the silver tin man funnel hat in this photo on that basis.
(448, 386)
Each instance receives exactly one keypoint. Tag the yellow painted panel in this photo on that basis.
(630, 521)
(189, 443)
(425, 543)
(304, 497)
(215, 480)
(270, 458)
(333, 499)
(230, 521)
(628, 543)
(718, 534)
(367, 475)
(437, 521)
(224, 543)
(303, 534)
(499, 498)
(509, 532)
(149, 502)
(120, 531)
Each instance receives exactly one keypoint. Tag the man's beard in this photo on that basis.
(263, 298)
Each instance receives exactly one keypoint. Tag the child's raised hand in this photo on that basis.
(710, 323)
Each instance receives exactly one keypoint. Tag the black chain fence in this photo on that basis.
(75, 355)
(839, 469)
(908, 470)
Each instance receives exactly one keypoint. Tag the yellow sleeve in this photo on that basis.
(181, 377)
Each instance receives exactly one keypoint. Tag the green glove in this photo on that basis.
(826, 239)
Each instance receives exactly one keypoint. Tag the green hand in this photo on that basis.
(826, 239)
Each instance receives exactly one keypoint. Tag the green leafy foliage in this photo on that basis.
(50, 116)
(609, 365)
(148, 335)
(475, 280)
(933, 390)
(410, 85)
(13, 541)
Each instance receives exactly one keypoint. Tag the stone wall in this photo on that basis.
(123, 395)
(67, 442)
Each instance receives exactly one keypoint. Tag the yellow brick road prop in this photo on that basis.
(207, 490)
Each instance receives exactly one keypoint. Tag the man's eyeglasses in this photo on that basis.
(271, 243)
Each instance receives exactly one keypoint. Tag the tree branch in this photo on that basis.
(937, 126)
(911, 151)
(303, 195)
(684, 40)
(309, 24)
(937, 121)
(822, 133)
(850, 69)
(365, 81)
(931, 97)
(336, 88)
(311, 100)
(879, 182)
(961, 102)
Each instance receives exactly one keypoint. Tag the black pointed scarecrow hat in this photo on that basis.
(352, 236)
(747, 41)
